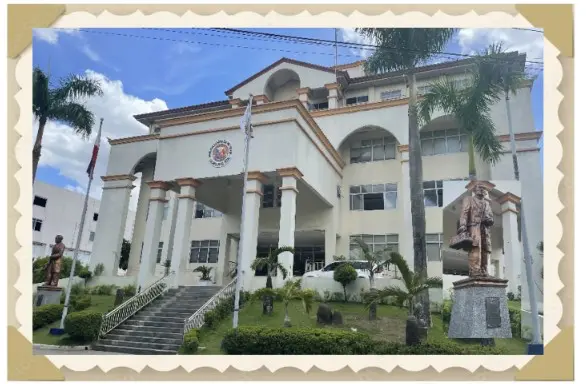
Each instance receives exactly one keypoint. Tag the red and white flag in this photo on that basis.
(92, 164)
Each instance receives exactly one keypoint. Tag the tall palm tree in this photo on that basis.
(376, 260)
(272, 264)
(405, 49)
(62, 104)
(471, 107)
(415, 283)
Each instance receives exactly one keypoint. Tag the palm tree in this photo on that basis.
(415, 283)
(404, 49)
(471, 107)
(289, 292)
(62, 104)
(375, 260)
(272, 264)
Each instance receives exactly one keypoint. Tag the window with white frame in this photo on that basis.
(433, 193)
(433, 246)
(271, 196)
(160, 252)
(443, 141)
(369, 150)
(391, 95)
(319, 106)
(373, 197)
(357, 100)
(92, 235)
(204, 251)
(203, 211)
(376, 243)
(37, 224)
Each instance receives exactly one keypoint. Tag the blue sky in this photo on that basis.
(148, 70)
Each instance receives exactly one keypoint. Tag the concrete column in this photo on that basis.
(334, 95)
(249, 240)
(260, 99)
(152, 234)
(140, 221)
(181, 246)
(174, 205)
(289, 177)
(406, 236)
(331, 242)
(111, 222)
(304, 96)
(513, 254)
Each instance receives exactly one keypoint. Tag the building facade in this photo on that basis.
(328, 162)
(57, 211)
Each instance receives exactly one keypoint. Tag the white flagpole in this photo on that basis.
(77, 245)
(239, 267)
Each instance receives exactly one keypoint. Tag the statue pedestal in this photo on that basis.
(48, 295)
(480, 309)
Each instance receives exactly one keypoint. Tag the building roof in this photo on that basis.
(146, 117)
(276, 63)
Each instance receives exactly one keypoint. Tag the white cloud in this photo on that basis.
(68, 152)
(90, 53)
(474, 40)
(181, 48)
(349, 35)
(51, 35)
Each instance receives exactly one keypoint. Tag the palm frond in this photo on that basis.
(403, 267)
(281, 269)
(260, 262)
(375, 295)
(74, 87)
(73, 114)
(442, 95)
(434, 282)
(274, 254)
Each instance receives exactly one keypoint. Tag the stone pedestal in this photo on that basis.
(48, 295)
(480, 309)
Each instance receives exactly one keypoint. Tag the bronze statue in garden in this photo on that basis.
(53, 267)
(473, 236)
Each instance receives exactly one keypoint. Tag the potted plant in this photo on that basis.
(206, 272)
(167, 267)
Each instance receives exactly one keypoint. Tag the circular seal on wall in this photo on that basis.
(220, 153)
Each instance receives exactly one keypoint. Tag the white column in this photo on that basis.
(406, 236)
(304, 96)
(181, 245)
(249, 240)
(289, 177)
(513, 255)
(334, 95)
(235, 103)
(140, 221)
(260, 99)
(331, 242)
(152, 234)
(174, 206)
(111, 223)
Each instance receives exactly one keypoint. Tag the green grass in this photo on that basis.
(42, 336)
(389, 326)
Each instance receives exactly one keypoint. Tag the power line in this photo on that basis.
(372, 47)
(529, 29)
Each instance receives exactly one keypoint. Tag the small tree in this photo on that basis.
(345, 274)
(99, 269)
(271, 263)
(289, 292)
(205, 272)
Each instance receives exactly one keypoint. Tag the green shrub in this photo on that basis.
(190, 344)
(432, 348)
(345, 274)
(99, 269)
(255, 340)
(129, 290)
(80, 302)
(515, 318)
(46, 314)
(85, 273)
(78, 289)
(66, 262)
(84, 325)
(223, 309)
(103, 290)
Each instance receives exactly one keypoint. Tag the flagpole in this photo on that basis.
(77, 244)
(239, 267)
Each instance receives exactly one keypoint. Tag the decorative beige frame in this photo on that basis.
(556, 364)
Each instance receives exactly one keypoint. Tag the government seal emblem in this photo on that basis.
(220, 153)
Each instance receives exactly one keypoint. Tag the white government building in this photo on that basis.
(328, 161)
(57, 211)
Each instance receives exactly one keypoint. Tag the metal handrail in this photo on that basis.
(127, 309)
(197, 319)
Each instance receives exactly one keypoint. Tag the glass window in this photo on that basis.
(270, 199)
(37, 225)
(204, 251)
(203, 211)
(433, 193)
(443, 141)
(366, 151)
(40, 201)
(160, 252)
(433, 246)
(92, 236)
(373, 197)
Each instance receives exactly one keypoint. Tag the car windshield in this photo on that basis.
(360, 265)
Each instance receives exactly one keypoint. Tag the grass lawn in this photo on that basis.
(390, 325)
(100, 303)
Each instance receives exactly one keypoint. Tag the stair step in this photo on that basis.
(139, 332)
(132, 350)
(155, 323)
(147, 328)
(142, 345)
(167, 312)
(131, 340)
(167, 319)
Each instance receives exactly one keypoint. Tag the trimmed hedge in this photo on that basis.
(79, 303)
(46, 314)
(84, 325)
(190, 344)
(255, 340)
(224, 308)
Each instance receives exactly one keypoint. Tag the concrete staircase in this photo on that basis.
(157, 329)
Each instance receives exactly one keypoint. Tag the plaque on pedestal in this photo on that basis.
(480, 309)
(47, 294)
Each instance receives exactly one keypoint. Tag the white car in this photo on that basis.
(362, 267)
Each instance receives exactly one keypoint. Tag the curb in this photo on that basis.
(63, 347)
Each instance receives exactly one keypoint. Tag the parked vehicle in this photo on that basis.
(362, 267)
